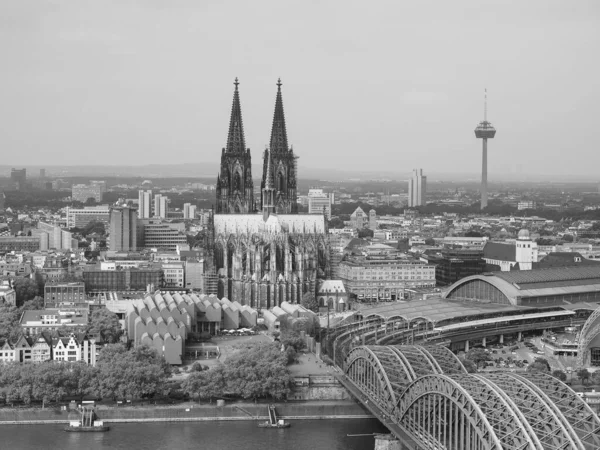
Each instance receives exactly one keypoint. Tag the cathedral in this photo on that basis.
(264, 253)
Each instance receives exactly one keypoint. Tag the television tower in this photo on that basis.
(484, 131)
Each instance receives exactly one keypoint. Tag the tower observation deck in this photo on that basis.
(485, 130)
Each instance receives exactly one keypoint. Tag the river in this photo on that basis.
(239, 435)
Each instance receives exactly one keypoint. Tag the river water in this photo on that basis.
(239, 435)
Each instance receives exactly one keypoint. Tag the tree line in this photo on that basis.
(119, 374)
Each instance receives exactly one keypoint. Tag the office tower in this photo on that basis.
(161, 206)
(417, 188)
(189, 211)
(18, 178)
(484, 131)
(123, 229)
(42, 173)
(319, 202)
(83, 192)
(145, 204)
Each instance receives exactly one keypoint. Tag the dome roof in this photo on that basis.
(524, 234)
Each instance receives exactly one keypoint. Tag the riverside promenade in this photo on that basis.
(192, 412)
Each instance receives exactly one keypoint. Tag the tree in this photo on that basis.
(596, 377)
(430, 241)
(478, 356)
(469, 365)
(36, 303)
(292, 339)
(365, 232)
(310, 302)
(106, 325)
(205, 385)
(583, 375)
(25, 288)
(136, 373)
(539, 365)
(559, 375)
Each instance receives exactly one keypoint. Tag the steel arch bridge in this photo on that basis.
(424, 393)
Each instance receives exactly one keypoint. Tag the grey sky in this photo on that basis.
(374, 85)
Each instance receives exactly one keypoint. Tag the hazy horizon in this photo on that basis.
(366, 87)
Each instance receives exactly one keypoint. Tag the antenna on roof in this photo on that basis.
(485, 106)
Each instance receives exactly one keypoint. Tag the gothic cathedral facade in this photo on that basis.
(264, 256)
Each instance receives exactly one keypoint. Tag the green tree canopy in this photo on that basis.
(105, 324)
(539, 365)
(26, 289)
(559, 375)
(126, 374)
(310, 302)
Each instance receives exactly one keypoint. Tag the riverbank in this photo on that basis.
(196, 413)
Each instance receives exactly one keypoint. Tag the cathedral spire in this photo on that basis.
(269, 178)
(279, 142)
(235, 138)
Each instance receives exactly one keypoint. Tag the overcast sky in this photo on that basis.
(371, 85)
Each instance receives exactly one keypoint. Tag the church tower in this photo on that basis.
(282, 162)
(234, 182)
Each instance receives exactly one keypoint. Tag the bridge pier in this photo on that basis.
(387, 442)
(466, 346)
(520, 336)
(484, 342)
(501, 339)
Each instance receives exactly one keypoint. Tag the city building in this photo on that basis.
(155, 233)
(18, 179)
(8, 296)
(145, 204)
(332, 296)
(372, 220)
(452, 265)
(83, 192)
(174, 274)
(537, 287)
(19, 244)
(81, 217)
(526, 204)
(39, 321)
(144, 278)
(123, 229)
(278, 255)
(57, 238)
(518, 256)
(161, 206)
(386, 278)
(57, 294)
(484, 131)
(358, 219)
(194, 274)
(189, 211)
(319, 203)
(417, 188)
(76, 347)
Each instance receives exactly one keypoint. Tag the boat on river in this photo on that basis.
(273, 422)
(88, 422)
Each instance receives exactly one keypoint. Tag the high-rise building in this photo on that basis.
(189, 211)
(484, 131)
(123, 229)
(42, 173)
(83, 192)
(18, 178)
(417, 188)
(161, 206)
(319, 202)
(372, 220)
(80, 217)
(53, 236)
(145, 204)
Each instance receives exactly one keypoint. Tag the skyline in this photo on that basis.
(134, 82)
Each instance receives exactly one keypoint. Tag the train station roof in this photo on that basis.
(438, 309)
